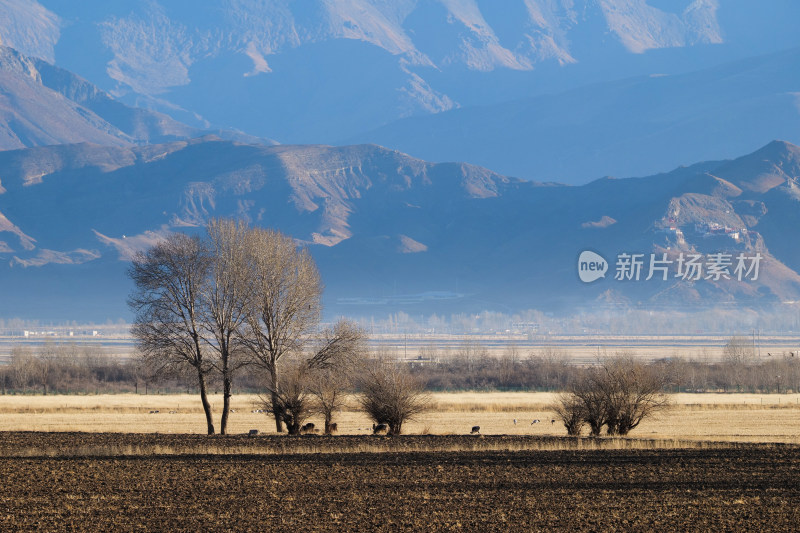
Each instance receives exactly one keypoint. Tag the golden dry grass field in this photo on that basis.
(703, 417)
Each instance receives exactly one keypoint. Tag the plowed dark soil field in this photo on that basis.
(721, 489)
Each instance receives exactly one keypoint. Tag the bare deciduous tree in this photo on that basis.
(169, 280)
(328, 387)
(737, 354)
(227, 298)
(285, 308)
(23, 364)
(633, 392)
(738, 350)
(390, 394)
(509, 365)
(591, 399)
(289, 394)
(314, 382)
(339, 355)
(569, 409)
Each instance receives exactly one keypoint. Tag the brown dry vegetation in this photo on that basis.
(710, 417)
(720, 488)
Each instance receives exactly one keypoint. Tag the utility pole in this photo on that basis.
(759, 344)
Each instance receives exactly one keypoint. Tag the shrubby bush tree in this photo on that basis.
(569, 410)
(618, 394)
(390, 394)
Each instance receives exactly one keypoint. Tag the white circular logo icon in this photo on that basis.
(591, 266)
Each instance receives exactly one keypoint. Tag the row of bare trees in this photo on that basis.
(74, 368)
(53, 367)
(248, 300)
(471, 367)
(236, 298)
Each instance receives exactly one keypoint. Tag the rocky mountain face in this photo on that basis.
(393, 232)
(328, 70)
(41, 104)
(629, 127)
(32, 114)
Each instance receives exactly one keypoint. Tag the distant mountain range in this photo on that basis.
(389, 231)
(525, 87)
(120, 121)
(629, 127)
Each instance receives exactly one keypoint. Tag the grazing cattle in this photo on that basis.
(252, 432)
(153, 412)
(307, 428)
(333, 428)
(535, 421)
(173, 412)
(380, 429)
(475, 430)
(515, 421)
(553, 421)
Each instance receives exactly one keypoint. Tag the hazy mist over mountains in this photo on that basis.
(435, 155)
(392, 232)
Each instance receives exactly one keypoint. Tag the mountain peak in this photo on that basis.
(771, 166)
(780, 149)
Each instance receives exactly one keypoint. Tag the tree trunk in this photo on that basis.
(277, 411)
(206, 405)
(328, 418)
(226, 402)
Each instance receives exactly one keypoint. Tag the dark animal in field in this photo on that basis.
(553, 421)
(475, 430)
(333, 428)
(535, 421)
(308, 428)
(252, 432)
(380, 429)
(153, 412)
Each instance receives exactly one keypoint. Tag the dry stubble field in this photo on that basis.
(690, 470)
(709, 417)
